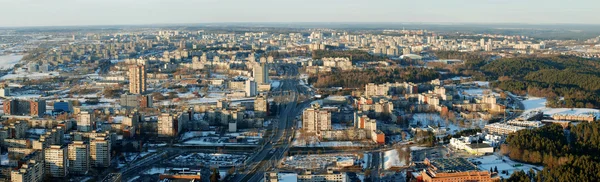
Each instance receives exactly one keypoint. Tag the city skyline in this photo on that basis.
(132, 12)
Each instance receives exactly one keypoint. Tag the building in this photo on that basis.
(79, 157)
(184, 174)
(137, 79)
(574, 117)
(261, 73)
(63, 106)
(4, 91)
(136, 101)
(315, 120)
(168, 125)
(467, 144)
(56, 161)
(31, 171)
(86, 121)
(100, 152)
(250, 88)
(454, 169)
(36, 107)
(261, 106)
(502, 129)
(339, 62)
(330, 176)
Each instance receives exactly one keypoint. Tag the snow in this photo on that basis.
(533, 103)
(155, 170)
(427, 119)
(392, 159)
(366, 160)
(193, 134)
(37, 131)
(476, 91)
(9, 61)
(133, 179)
(4, 159)
(332, 144)
(287, 177)
(493, 161)
(27, 96)
(482, 83)
(539, 104)
(415, 148)
(29, 75)
(275, 84)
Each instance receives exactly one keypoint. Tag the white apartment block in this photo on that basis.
(315, 120)
(56, 161)
(32, 171)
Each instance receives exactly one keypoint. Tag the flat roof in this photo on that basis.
(479, 145)
(453, 165)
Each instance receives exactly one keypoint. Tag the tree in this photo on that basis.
(215, 176)
(518, 176)
(231, 171)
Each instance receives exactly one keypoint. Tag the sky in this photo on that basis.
(133, 12)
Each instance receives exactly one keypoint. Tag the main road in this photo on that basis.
(289, 108)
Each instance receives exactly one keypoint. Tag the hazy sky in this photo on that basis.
(118, 12)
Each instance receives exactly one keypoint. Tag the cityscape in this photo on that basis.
(298, 101)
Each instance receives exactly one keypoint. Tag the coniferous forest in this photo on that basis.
(567, 155)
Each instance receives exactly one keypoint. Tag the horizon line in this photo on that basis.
(307, 22)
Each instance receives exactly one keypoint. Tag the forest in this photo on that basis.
(576, 80)
(567, 155)
(358, 79)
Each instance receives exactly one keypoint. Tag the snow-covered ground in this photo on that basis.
(493, 161)
(482, 84)
(428, 119)
(366, 160)
(539, 104)
(275, 84)
(4, 159)
(391, 158)
(8, 61)
(155, 170)
(29, 75)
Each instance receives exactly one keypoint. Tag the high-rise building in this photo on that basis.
(315, 119)
(168, 125)
(261, 73)
(32, 171)
(79, 157)
(56, 161)
(261, 106)
(250, 88)
(35, 107)
(86, 121)
(100, 151)
(137, 79)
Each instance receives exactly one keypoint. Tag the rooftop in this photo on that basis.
(452, 165)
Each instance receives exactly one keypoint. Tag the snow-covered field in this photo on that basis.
(539, 104)
(392, 159)
(493, 161)
(8, 61)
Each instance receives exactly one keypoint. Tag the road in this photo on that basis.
(289, 108)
